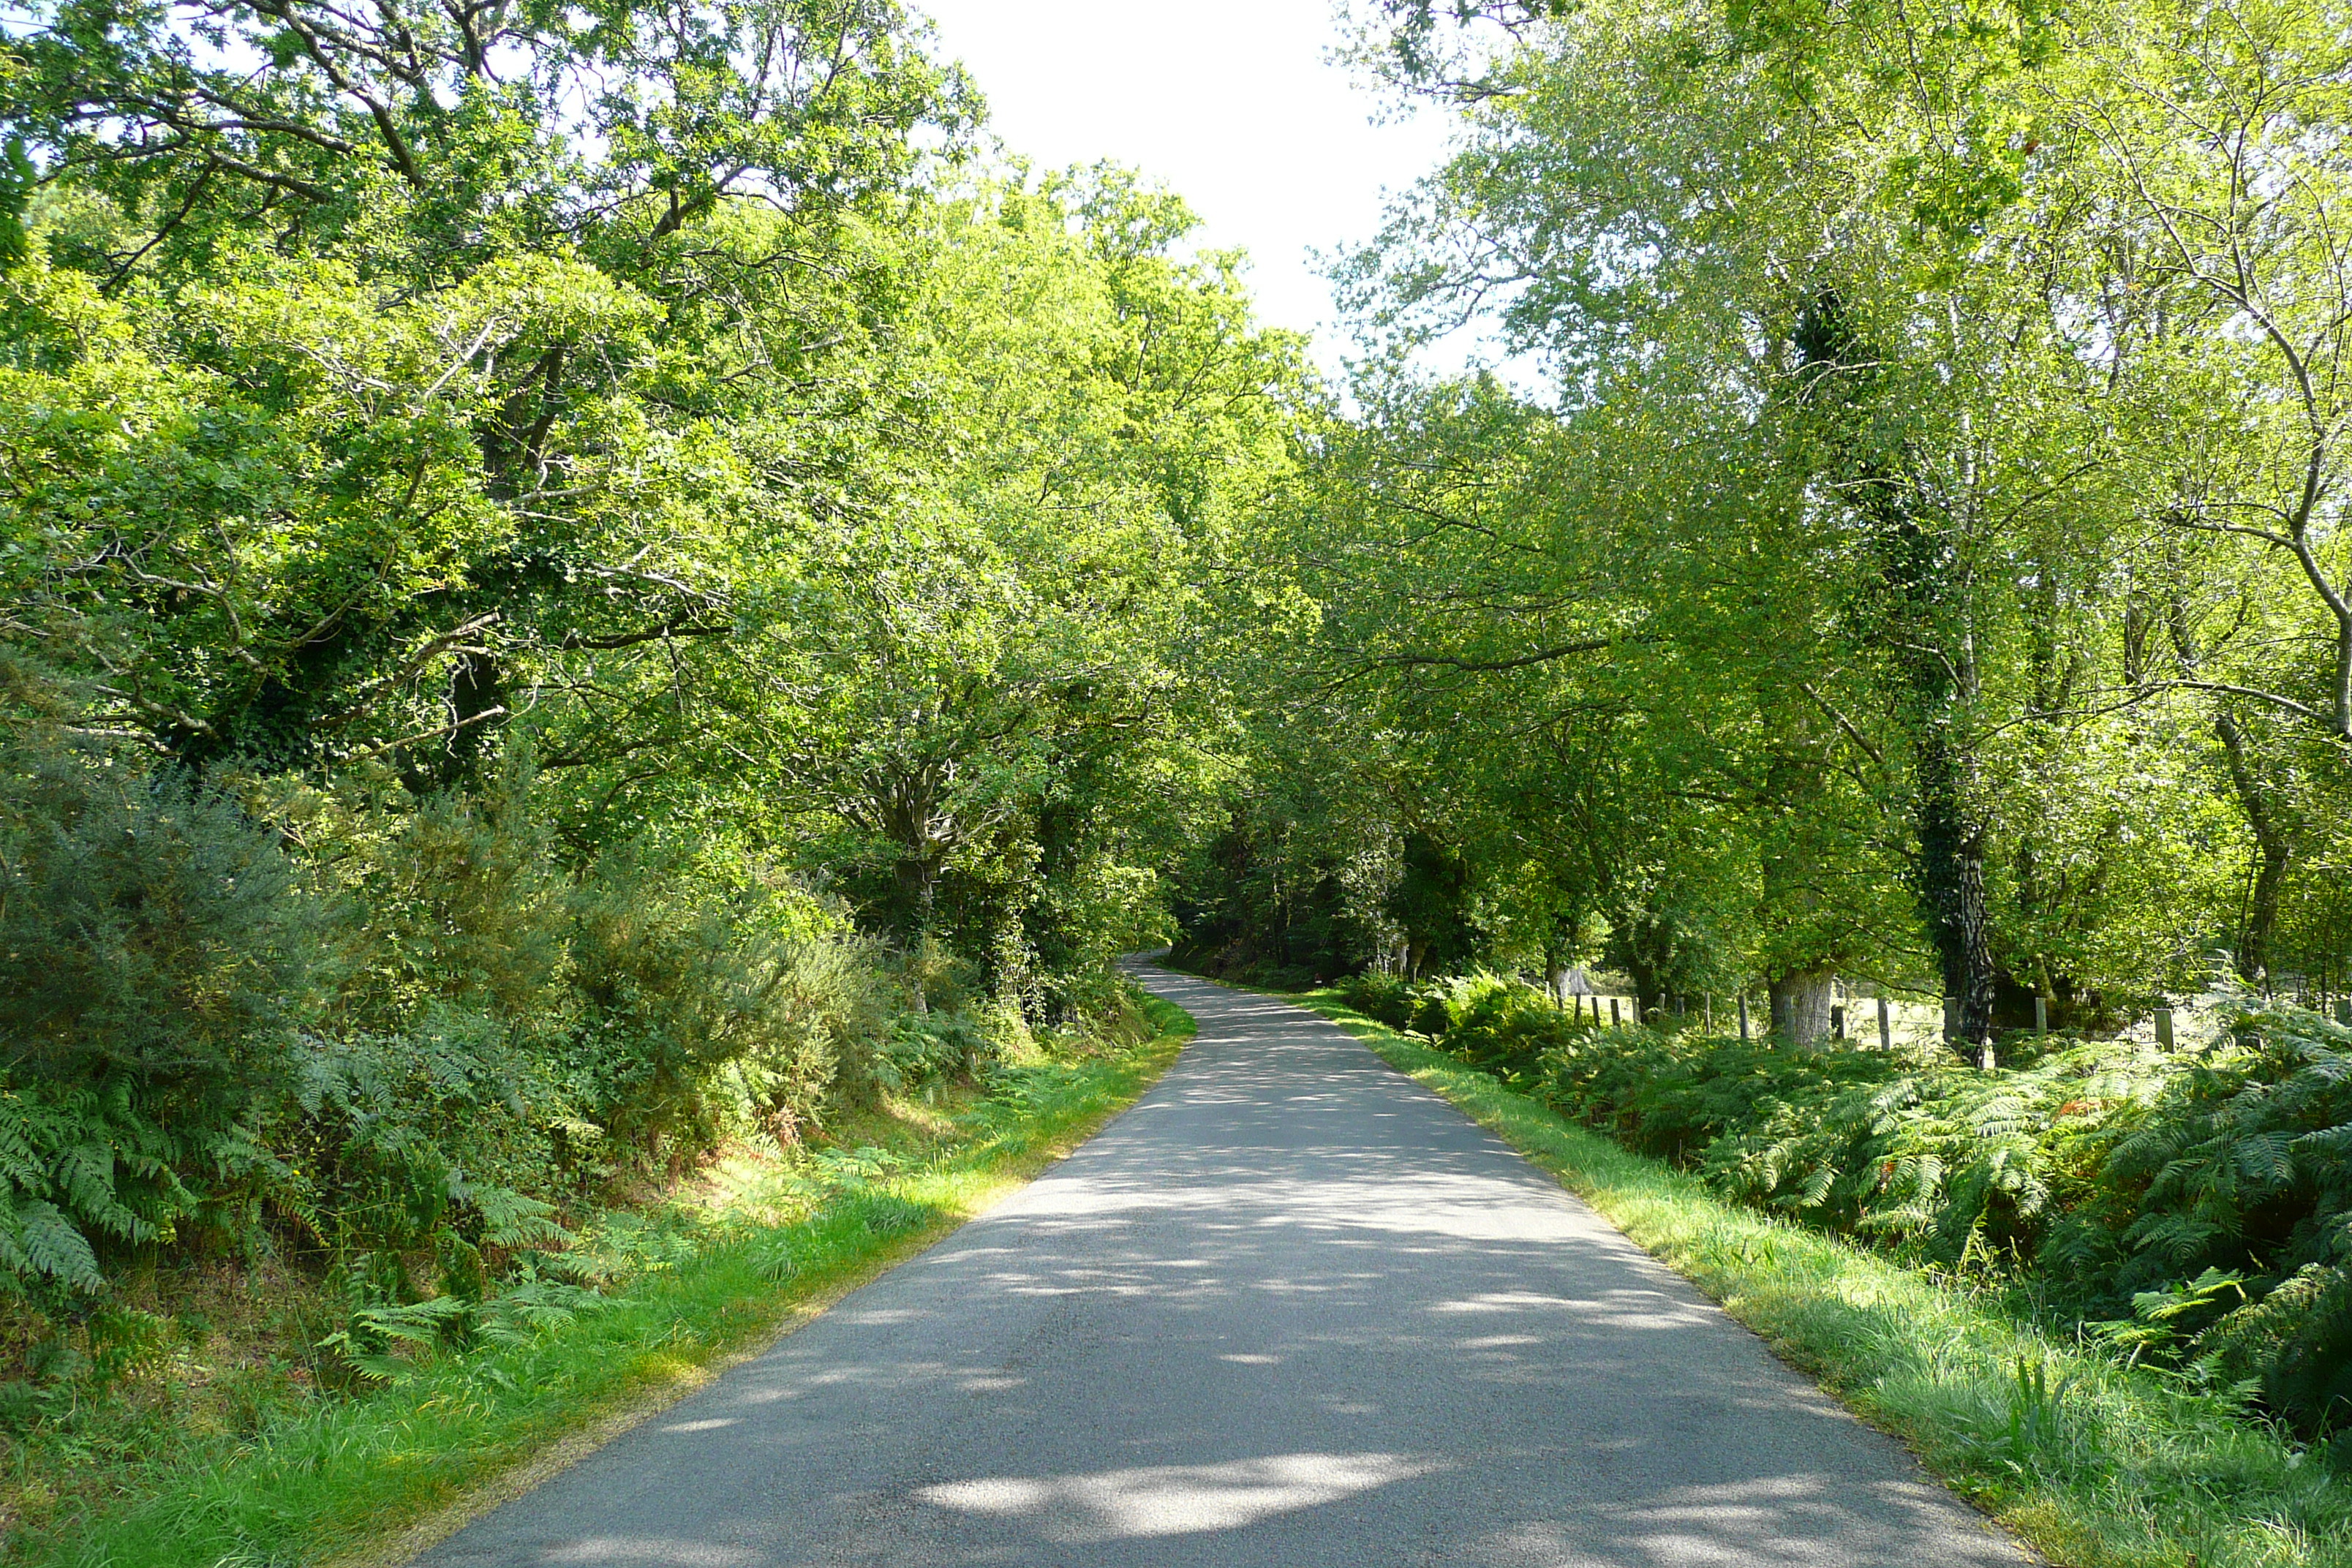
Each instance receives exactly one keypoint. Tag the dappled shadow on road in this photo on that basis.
(1173, 1499)
(1287, 1310)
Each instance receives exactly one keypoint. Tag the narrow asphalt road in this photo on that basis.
(1288, 1310)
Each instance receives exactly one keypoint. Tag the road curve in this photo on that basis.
(1289, 1311)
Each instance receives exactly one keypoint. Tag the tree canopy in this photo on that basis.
(1910, 546)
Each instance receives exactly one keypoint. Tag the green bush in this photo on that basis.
(447, 1128)
(1494, 1020)
(1503, 1025)
(151, 932)
(932, 1045)
(1381, 996)
(156, 954)
(672, 981)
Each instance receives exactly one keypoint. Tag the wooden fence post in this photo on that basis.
(1612, 1012)
(1743, 1017)
(1886, 1027)
(2040, 1016)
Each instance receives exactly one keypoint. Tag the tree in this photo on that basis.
(1857, 295)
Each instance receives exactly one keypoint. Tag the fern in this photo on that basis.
(36, 1238)
(2309, 1378)
(85, 1174)
(21, 1165)
(76, 1166)
(521, 1312)
(365, 1345)
(508, 1218)
(2267, 1159)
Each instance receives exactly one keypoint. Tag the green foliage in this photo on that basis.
(580, 595)
(2298, 1340)
(159, 954)
(411, 1042)
(1900, 552)
(153, 934)
(1381, 994)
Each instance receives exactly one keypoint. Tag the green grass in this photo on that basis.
(375, 1477)
(2098, 1467)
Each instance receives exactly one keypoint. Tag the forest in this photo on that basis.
(583, 589)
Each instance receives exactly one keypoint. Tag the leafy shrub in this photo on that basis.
(413, 1141)
(155, 953)
(669, 987)
(828, 1008)
(1485, 1015)
(1505, 1025)
(935, 977)
(403, 1046)
(151, 930)
(932, 1045)
(1381, 996)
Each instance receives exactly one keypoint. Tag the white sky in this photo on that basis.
(1230, 103)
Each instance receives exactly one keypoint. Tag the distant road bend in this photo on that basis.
(1289, 1311)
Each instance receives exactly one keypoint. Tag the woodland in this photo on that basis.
(585, 589)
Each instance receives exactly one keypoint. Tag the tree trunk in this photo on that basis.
(1930, 632)
(1951, 885)
(2273, 842)
(2254, 949)
(1645, 946)
(911, 809)
(1801, 1006)
(918, 881)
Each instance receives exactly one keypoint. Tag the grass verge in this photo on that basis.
(376, 1478)
(2097, 1465)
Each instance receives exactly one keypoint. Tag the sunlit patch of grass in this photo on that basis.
(2099, 1467)
(755, 1250)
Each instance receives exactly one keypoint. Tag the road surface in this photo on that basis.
(1289, 1311)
